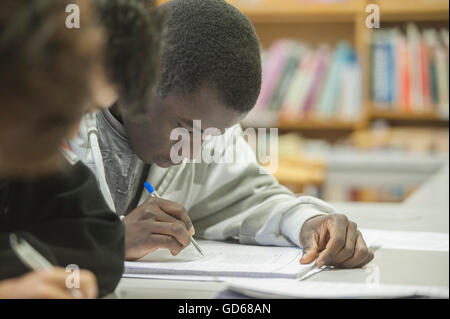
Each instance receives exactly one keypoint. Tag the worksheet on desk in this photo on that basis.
(409, 240)
(288, 288)
(224, 259)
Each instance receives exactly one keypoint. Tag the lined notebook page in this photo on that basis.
(224, 259)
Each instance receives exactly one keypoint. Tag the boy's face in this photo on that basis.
(150, 136)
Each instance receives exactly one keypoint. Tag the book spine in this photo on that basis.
(277, 59)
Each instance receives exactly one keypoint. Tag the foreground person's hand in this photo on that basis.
(48, 285)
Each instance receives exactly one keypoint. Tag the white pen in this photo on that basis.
(33, 259)
(153, 192)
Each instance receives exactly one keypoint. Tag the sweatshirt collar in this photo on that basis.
(114, 124)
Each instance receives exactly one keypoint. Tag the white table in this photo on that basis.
(426, 210)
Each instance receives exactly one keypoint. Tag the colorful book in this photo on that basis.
(328, 101)
(322, 63)
(295, 54)
(276, 60)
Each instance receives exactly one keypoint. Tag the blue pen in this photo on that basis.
(153, 193)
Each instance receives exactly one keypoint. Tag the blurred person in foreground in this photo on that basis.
(50, 77)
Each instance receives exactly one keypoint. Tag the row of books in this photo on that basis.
(300, 81)
(410, 71)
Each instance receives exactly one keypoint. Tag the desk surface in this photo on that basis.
(426, 210)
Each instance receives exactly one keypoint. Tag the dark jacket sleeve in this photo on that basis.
(66, 219)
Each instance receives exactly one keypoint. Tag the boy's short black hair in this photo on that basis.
(133, 50)
(211, 42)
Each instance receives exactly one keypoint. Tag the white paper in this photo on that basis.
(222, 260)
(175, 277)
(289, 288)
(428, 241)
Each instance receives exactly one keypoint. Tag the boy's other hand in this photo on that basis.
(47, 285)
(335, 241)
(157, 223)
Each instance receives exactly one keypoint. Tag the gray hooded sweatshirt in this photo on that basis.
(237, 199)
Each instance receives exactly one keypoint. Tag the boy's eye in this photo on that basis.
(179, 124)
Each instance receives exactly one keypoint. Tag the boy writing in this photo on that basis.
(211, 72)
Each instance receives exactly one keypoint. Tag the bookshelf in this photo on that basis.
(406, 116)
(293, 11)
(297, 172)
(315, 124)
(316, 22)
(413, 10)
(330, 22)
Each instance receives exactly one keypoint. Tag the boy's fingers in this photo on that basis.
(350, 244)
(162, 216)
(40, 284)
(310, 250)
(56, 275)
(167, 242)
(361, 255)
(88, 284)
(177, 211)
(57, 278)
(187, 221)
(52, 291)
(368, 260)
(176, 230)
(338, 232)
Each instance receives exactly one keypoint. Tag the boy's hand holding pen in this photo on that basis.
(155, 194)
(157, 223)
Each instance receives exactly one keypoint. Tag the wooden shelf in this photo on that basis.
(316, 124)
(298, 11)
(295, 169)
(297, 123)
(288, 11)
(280, 11)
(332, 124)
(406, 116)
(417, 10)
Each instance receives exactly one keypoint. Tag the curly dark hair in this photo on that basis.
(134, 29)
(210, 41)
(45, 80)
